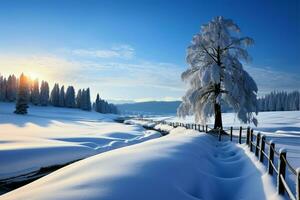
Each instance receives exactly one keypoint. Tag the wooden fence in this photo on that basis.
(258, 147)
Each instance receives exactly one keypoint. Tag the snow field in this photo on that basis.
(49, 136)
(185, 164)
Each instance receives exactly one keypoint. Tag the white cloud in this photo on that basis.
(120, 51)
(269, 79)
(127, 79)
(46, 66)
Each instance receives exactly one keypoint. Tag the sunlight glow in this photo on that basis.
(32, 75)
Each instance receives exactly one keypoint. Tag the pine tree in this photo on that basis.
(55, 95)
(11, 88)
(88, 100)
(83, 100)
(78, 99)
(22, 96)
(70, 97)
(97, 103)
(2, 88)
(44, 94)
(35, 93)
(62, 97)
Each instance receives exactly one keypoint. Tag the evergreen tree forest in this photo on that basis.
(25, 91)
(280, 101)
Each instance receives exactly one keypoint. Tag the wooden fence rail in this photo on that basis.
(259, 148)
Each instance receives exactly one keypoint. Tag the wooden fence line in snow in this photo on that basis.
(258, 147)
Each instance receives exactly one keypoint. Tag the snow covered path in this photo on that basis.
(185, 164)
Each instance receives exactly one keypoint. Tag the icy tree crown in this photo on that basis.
(214, 60)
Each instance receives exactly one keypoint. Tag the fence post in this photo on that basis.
(298, 184)
(195, 126)
(240, 135)
(281, 171)
(262, 148)
(219, 134)
(271, 157)
(257, 144)
(248, 135)
(203, 128)
(206, 128)
(231, 133)
(199, 127)
(251, 140)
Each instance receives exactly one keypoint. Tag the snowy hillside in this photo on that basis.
(49, 136)
(182, 165)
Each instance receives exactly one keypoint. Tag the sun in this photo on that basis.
(33, 75)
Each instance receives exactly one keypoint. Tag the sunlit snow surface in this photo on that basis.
(185, 164)
(283, 127)
(49, 136)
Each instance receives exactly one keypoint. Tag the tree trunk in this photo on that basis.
(218, 116)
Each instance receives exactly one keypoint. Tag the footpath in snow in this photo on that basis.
(185, 164)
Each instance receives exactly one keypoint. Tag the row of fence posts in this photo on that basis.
(196, 127)
(259, 152)
(281, 171)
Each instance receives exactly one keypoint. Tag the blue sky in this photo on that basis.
(135, 50)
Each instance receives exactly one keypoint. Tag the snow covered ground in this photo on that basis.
(49, 136)
(185, 164)
(283, 127)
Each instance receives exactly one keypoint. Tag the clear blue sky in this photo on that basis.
(135, 50)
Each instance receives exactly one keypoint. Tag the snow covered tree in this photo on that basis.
(216, 76)
(61, 97)
(22, 96)
(44, 94)
(35, 93)
(280, 101)
(70, 97)
(55, 95)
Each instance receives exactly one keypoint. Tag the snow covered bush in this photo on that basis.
(215, 75)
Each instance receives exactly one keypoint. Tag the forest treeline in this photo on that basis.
(280, 101)
(38, 93)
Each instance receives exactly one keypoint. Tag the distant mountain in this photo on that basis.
(149, 107)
